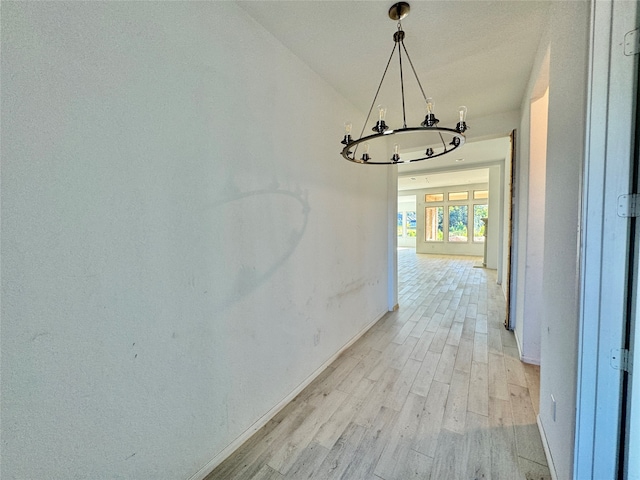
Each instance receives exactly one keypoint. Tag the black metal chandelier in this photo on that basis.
(439, 140)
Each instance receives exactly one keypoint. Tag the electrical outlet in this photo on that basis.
(553, 408)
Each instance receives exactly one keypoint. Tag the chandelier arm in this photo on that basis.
(404, 115)
(378, 90)
(444, 144)
(414, 71)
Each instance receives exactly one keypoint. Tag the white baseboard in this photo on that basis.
(524, 358)
(530, 360)
(547, 452)
(262, 421)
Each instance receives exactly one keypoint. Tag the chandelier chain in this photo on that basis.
(378, 90)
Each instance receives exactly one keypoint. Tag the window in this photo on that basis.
(479, 212)
(406, 224)
(434, 197)
(434, 224)
(480, 194)
(458, 196)
(455, 216)
(458, 215)
(410, 224)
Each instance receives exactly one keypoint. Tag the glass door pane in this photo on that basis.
(458, 220)
(410, 224)
(479, 212)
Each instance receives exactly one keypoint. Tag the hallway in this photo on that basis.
(433, 390)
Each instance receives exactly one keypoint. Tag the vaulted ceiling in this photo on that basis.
(475, 53)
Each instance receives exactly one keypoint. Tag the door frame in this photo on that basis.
(509, 317)
(604, 241)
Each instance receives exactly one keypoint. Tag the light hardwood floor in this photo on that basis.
(432, 391)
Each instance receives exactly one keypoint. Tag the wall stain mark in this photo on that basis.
(38, 335)
(250, 279)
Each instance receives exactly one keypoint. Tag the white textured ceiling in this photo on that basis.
(474, 53)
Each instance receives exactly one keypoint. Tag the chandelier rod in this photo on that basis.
(414, 72)
(404, 114)
(444, 144)
(377, 92)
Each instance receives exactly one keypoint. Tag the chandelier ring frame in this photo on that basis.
(349, 151)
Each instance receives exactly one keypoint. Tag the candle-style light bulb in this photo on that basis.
(462, 123)
(462, 111)
(396, 155)
(430, 105)
(430, 119)
(380, 125)
(382, 112)
(365, 153)
(347, 133)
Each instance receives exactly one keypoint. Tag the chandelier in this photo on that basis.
(437, 140)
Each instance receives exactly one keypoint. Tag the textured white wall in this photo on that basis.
(521, 212)
(566, 44)
(182, 245)
(536, 203)
(494, 233)
(530, 190)
(569, 43)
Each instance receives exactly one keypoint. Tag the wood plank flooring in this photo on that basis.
(434, 390)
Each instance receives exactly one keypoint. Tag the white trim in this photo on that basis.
(547, 452)
(530, 360)
(524, 358)
(392, 237)
(515, 334)
(604, 240)
(591, 270)
(262, 421)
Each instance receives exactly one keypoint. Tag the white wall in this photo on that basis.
(529, 310)
(529, 334)
(494, 232)
(531, 199)
(182, 246)
(569, 42)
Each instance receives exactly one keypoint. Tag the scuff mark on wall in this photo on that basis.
(349, 289)
(38, 335)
